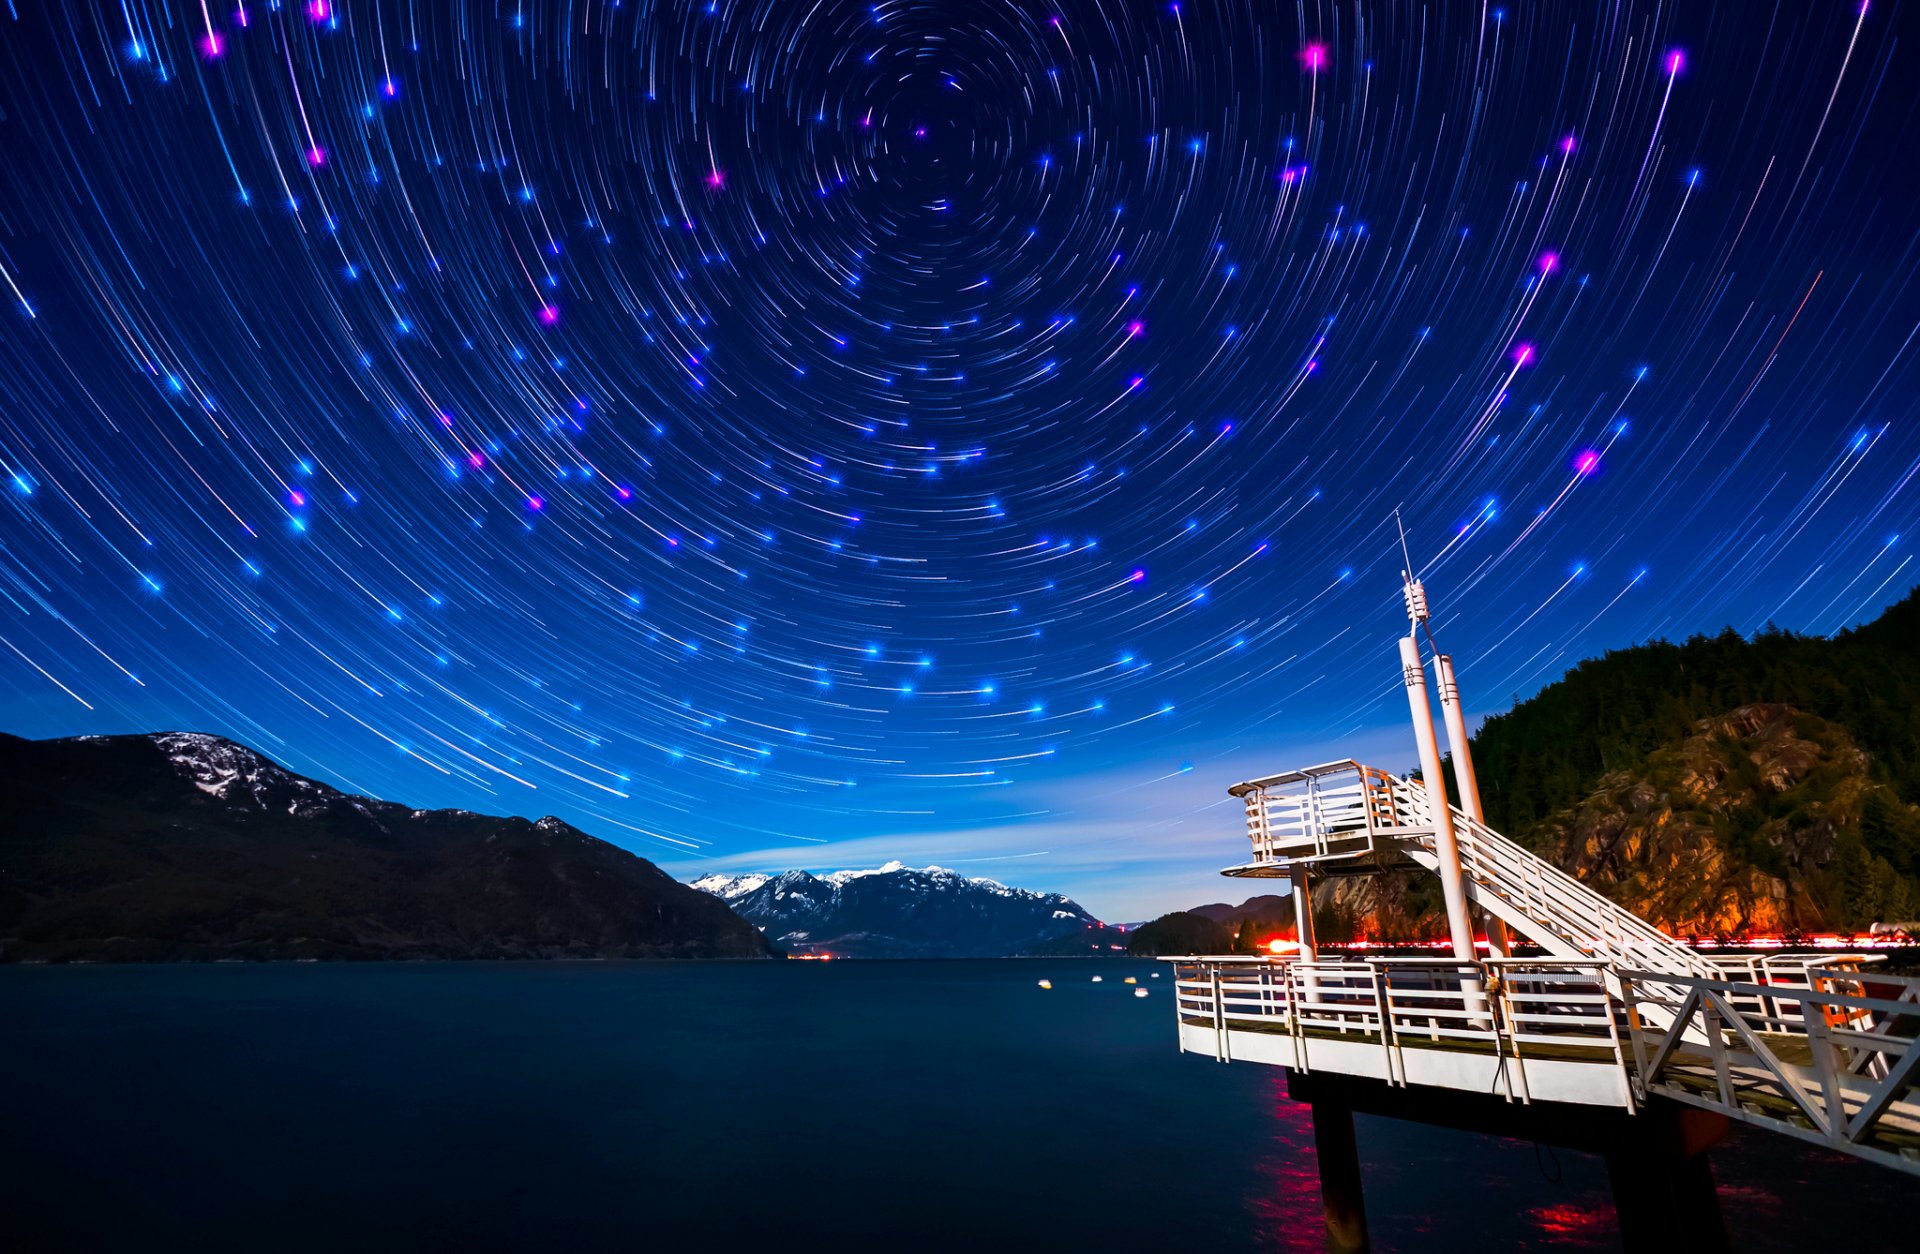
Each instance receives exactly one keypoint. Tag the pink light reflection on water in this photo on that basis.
(1287, 1207)
(1406, 1169)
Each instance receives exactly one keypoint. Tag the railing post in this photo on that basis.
(1717, 1047)
(1504, 1045)
(1630, 1003)
(1219, 1017)
(1820, 1040)
(1294, 1028)
(1383, 1011)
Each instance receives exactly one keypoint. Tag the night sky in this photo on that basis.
(795, 432)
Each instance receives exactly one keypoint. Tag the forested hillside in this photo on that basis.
(1551, 750)
(1726, 784)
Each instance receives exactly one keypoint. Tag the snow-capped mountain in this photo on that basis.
(897, 911)
(728, 887)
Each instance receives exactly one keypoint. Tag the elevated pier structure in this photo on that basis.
(1614, 1037)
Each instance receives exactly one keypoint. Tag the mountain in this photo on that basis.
(1267, 908)
(897, 911)
(1550, 751)
(1727, 784)
(180, 846)
(1719, 787)
(1765, 820)
(727, 887)
(1182, 932)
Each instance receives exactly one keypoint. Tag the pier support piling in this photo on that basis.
(1341, 1198)
(1666, 1201)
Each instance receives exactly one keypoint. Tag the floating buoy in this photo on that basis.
(1096, 979)
(1156, 975)
(1131, 980)
(1046, 984)
(1139, 992)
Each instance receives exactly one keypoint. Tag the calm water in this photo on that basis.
(796, 1105)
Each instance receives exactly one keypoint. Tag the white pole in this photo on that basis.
(1303, 911)
(1466, 782)
(1452, 882)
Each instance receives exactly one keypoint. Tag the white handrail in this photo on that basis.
(1855, 1091)
(1410, 1003)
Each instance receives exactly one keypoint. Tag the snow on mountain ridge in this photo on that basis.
(728, 887)
(215, 764)
(895, 910)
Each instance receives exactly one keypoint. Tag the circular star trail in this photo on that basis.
(738, 425)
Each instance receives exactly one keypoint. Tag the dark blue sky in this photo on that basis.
(780, 433)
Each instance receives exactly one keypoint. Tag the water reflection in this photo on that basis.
(1286, 1210)
(1440, 1189)
(1433, 1188)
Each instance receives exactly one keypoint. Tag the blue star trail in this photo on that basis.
(738, 426)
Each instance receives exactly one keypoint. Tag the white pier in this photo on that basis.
(1615, 1037)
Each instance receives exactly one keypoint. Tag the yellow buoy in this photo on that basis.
(1131, 980)
(1046, 984)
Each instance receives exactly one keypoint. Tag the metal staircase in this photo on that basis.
(1554, 910)
(1346, 818)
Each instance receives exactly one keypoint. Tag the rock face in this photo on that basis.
(184, 847)
(1758, 822)
(897, 911)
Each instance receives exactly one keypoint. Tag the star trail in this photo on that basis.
(767, 431)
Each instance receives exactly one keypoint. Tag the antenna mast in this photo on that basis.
(1467, 782)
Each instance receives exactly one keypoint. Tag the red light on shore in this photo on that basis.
(1278, 946)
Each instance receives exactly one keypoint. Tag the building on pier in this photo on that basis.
(1606, 1034)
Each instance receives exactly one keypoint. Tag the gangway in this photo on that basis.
(1616, 1037)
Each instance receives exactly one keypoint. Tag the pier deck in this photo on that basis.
(1824, 1053)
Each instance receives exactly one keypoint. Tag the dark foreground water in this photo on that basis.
(781, 1106)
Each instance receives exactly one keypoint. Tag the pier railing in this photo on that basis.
(1397, 1019)
(1778, 972)
(1833, 1061)
(1333, 812)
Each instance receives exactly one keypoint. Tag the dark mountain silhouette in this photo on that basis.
(180, 847)
(1182, 932)
(1267, 908)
